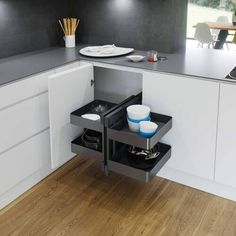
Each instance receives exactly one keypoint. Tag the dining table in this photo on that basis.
(224, 32)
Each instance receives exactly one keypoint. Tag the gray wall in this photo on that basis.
(142, 24)
(27, 25)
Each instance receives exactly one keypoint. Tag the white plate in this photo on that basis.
(96, 52)
(135, 58)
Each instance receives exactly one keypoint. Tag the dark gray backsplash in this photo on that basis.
(27, 25)
(142, 24)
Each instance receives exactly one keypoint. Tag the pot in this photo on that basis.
(92, 139)
(141, 158)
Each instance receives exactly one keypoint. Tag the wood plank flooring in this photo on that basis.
(78, 200)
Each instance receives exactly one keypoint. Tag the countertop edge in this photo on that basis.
(53, 58)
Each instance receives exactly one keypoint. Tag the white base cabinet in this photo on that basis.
(25, 152)
(36, 133)
(24, 136)
(193, 104)
(226, 138)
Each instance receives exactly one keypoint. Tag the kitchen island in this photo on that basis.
(190, 87)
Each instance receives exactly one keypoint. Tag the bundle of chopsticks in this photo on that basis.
(69, 25)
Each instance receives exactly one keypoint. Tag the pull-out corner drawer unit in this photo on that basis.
(71, 95)
(117, 138)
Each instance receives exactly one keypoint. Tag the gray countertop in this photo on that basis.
(204, 63)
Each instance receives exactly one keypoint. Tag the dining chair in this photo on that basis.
(203, 35)
(215, 32)
(234, 39)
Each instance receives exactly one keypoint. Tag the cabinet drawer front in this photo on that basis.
(23, 89)
(23, 160)
(23, 120)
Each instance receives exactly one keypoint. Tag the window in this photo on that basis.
(208, 11)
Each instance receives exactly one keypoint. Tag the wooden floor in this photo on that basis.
(79, 200)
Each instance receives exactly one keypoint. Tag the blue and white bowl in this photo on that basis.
(134, 125)
(138, 112)
(147, 128)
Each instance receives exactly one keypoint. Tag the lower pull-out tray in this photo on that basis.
(78, 147)
(119, 163)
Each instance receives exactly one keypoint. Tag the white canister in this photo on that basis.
(69, 41)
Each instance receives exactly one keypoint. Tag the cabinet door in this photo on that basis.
(68, 90)
(193, 105)
(226, 139)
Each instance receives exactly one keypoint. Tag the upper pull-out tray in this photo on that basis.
(120, 132)
(96, 107)
(78, 120)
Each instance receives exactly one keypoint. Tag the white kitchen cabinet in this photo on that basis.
(193, 104)
(23, 120)
(23, 160)
(18, 91)
(68, 90)
(226, 139)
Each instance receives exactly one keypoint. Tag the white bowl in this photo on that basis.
(148, 127)
(134, 127)
(138, 112)
(135, 58)
(93, 117)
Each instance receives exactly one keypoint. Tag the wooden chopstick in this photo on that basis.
(65, 26)
(77, 24)
(69, 25)
(73, 25)
(62, 27)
